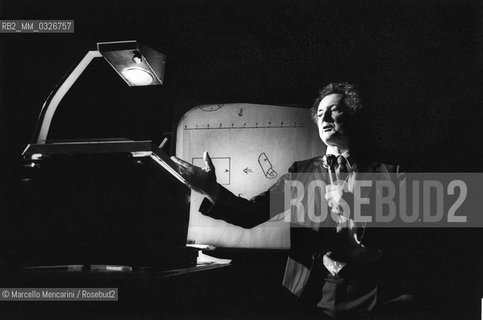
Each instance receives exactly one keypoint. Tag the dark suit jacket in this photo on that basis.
(307, 242)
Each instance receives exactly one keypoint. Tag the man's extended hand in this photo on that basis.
(202, 180)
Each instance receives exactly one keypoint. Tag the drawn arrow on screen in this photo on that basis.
(241, 112)
(246, 170)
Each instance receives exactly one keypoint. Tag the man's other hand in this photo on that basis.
(334, 192)
(202, 180)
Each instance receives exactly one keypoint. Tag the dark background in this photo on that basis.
(419, 64)
(418, 61)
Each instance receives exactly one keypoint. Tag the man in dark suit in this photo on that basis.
(331, 263)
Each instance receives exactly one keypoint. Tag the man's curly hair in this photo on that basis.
(351, 98)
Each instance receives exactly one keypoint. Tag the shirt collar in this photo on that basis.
(347, 155)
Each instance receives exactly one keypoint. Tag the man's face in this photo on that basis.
(332, 115)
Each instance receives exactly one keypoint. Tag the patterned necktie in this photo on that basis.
(339, 166)
(341, 169)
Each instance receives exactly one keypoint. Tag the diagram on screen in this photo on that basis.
(266, 166)
(222, 168)
(251, 146)
(212, 107)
